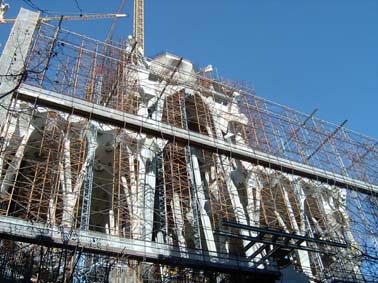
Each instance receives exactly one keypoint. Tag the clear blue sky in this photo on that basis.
(305, 54)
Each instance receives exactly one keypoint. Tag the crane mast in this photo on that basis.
(139, 23)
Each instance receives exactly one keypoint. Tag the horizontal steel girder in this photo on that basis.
(148, 126)
(104, 244)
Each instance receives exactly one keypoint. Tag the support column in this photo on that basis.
(12, 61)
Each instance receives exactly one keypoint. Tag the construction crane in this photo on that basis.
(73, 18)
(113, 25)
(139, 23)
(138, 28)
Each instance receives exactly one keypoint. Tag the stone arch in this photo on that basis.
(38, 192)
(188, 111)
(315, 215)
(280, 208)
(198, 115)
(41, 156)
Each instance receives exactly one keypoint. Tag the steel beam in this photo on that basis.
(277, 234)
(281, 244)
(104, 244)
(148, 126)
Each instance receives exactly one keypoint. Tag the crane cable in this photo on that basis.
(114, 23)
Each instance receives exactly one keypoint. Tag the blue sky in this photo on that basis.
(301, 53)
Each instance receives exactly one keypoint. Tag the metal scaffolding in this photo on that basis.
(134, 169)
